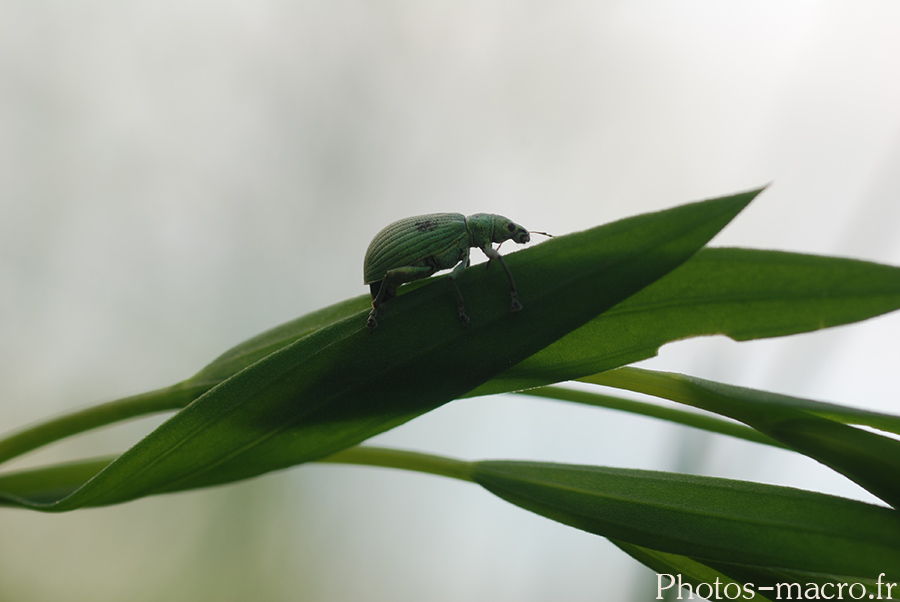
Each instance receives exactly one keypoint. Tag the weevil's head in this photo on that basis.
(485, 228)
(506, 229)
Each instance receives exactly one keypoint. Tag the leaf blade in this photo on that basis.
(740, 293)
(813, 428)
(708, 519)
(339, 384)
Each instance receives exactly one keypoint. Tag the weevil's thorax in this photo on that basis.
(480, 227)
(485, 228)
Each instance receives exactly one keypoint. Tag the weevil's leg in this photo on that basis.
(463, 318)
(389, 284)
(487, 264)
(377, 299)
(513, 292)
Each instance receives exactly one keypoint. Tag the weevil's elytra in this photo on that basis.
(426, 225)
(417, 247)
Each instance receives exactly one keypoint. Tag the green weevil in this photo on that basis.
(417, 247)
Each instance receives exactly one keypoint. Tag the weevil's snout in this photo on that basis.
(519, 234)
(506, 229)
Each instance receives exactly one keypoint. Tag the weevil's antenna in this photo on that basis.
(530, 232)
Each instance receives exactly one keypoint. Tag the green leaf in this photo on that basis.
(784, 584)
(692, 419)
(57, 481)
(48, 484)
(714, 577)
(79, 421)
(674, 569)
(810, 427)
(741, 293)
(180, 394)
(708, 519)
(340, 384)
(256, 348)
(742, 402)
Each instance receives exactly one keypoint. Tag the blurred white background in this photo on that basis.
(178, 176)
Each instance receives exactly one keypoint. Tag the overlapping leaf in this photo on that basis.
(741, 293)
(673, 571)
(819, 430)
(716, 521)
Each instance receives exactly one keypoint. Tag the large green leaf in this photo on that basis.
(715, 521)
(341, 384)
(741, 293)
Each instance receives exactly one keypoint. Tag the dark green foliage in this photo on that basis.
(314, 388)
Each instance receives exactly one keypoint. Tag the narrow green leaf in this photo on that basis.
(692, 419)
(741, 293)
(79, 421)
(48, 484)
(708, 519)
(368, 455)
(57, 481)
(340, 384)
(683, 389)
(179, 395)
(812, 428)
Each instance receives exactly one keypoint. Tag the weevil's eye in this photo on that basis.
(511, 227)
